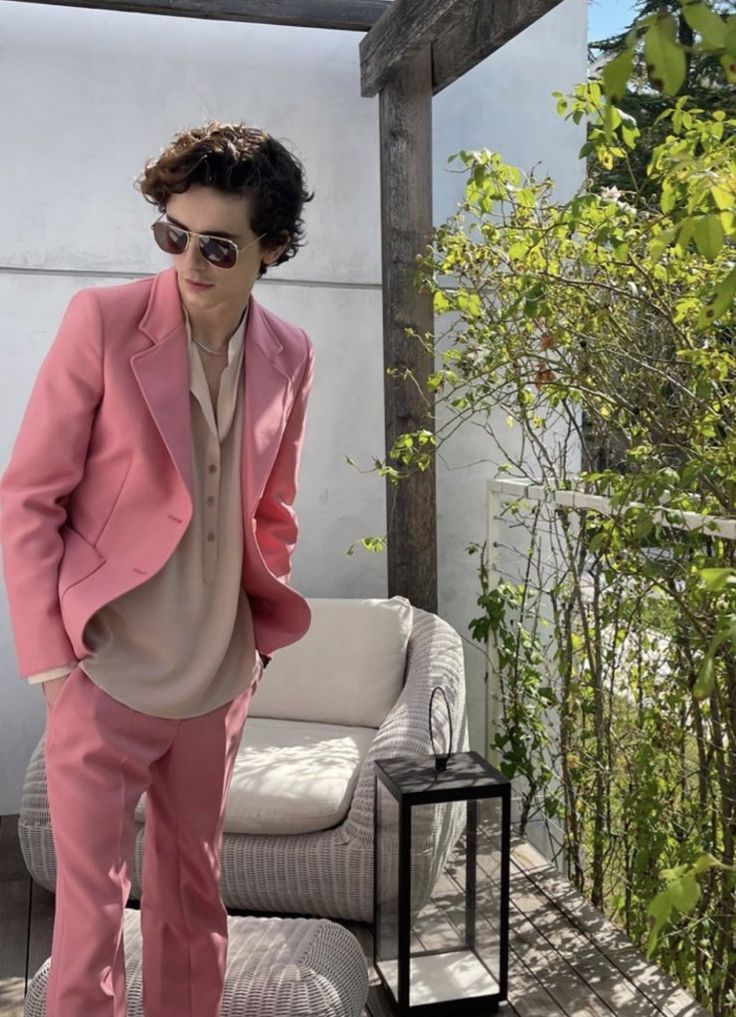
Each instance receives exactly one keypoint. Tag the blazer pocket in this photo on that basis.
(80, 559)
(97, 498)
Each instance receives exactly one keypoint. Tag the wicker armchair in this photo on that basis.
(326, 872)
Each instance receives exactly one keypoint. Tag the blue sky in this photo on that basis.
(605, 17)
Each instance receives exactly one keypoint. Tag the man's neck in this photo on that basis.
(214, 332)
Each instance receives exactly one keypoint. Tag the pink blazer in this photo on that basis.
(98, 490)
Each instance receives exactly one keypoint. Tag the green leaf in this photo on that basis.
(729, 39)
(598, 541)
(665, 59)
(719, 301)
(611, 120)
(667, 197)
(375, 544)
(644, 525)
(707, 861)
(728, 63)
(681, 894)
(662, 240)
(684, 893)
(629, 134)
(659, 908)
(717, 579)
(722, 197)
(709, 235)
(685, 232)
(704, 684)
(706, 23)
(616, 74)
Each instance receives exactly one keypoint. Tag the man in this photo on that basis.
(147, 529)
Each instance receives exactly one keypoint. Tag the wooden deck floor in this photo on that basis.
(566, 960)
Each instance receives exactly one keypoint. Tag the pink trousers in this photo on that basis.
(100, 757)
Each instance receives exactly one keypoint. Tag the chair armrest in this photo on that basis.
(434, 658)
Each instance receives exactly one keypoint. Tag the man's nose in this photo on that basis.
(193, 255)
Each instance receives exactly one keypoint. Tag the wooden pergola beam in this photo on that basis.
(459, 34)
(349, 15)
(486, 26)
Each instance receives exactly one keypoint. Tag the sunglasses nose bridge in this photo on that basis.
(192, 250)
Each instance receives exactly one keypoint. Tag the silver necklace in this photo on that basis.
(222, 353)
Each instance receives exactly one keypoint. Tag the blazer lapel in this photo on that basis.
(162, 373)
(268, 385)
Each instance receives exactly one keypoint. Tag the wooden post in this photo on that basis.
(405, 115)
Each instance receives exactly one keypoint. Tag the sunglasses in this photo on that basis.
(218, 251)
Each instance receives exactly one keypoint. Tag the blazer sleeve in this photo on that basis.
(47, 462)
(276, 520)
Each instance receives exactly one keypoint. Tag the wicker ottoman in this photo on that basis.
(276, 967)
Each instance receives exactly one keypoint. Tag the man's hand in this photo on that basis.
(52, 689)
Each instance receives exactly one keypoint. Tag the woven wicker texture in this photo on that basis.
(327, 873)
(276, 967)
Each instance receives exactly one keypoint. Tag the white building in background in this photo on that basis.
(89, 95)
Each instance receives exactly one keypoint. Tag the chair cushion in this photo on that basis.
(273, 787)
(348, 668)
(293, 967)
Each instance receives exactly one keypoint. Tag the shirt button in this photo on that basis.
(210, 499)
(213, 468)
(210, 535)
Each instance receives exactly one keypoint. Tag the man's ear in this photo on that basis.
(276, 252)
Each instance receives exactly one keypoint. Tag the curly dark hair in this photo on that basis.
(235, 159)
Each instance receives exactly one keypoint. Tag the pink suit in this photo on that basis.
(95, 498)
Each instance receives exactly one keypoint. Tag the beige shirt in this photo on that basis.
(181, 643)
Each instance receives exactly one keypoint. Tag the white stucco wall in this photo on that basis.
(89, 95)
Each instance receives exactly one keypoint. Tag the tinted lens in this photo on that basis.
(169, 238)
(219, 252)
